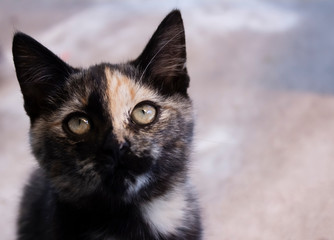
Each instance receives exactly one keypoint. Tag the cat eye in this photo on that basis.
(144, 113)
(78, 125)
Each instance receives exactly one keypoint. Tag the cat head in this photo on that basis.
(120, 129)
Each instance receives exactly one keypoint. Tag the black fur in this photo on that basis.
(37, 78)
(81, 190)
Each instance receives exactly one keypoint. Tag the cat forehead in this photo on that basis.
(112, 85)
(123, 89)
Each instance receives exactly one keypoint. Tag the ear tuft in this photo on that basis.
(163, 61)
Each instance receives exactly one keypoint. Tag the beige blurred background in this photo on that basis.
(262, 81)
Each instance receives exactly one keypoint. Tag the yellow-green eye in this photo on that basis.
(78, 125)
(143, 113)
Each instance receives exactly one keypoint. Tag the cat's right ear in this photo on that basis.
(39, 72)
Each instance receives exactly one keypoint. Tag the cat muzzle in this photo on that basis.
(115, 149)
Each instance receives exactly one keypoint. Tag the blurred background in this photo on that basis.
(263, 90)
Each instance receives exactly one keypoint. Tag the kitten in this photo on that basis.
(112, 142)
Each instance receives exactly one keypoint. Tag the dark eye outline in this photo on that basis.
(157, 113)
(67, 129)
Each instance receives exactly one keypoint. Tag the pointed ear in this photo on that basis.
(163, 61)
(39, 72)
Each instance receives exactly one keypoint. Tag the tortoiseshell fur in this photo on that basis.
(121, 180)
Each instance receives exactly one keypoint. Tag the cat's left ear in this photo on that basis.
(162, 64)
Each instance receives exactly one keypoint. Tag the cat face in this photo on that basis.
(119, 129)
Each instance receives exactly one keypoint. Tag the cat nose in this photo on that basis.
(114, 148)
(124, 147)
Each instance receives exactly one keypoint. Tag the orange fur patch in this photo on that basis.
(123, 95)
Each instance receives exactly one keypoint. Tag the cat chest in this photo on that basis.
(159, 217)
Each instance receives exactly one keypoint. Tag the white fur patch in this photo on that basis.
(166, 213)
(141, 181)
